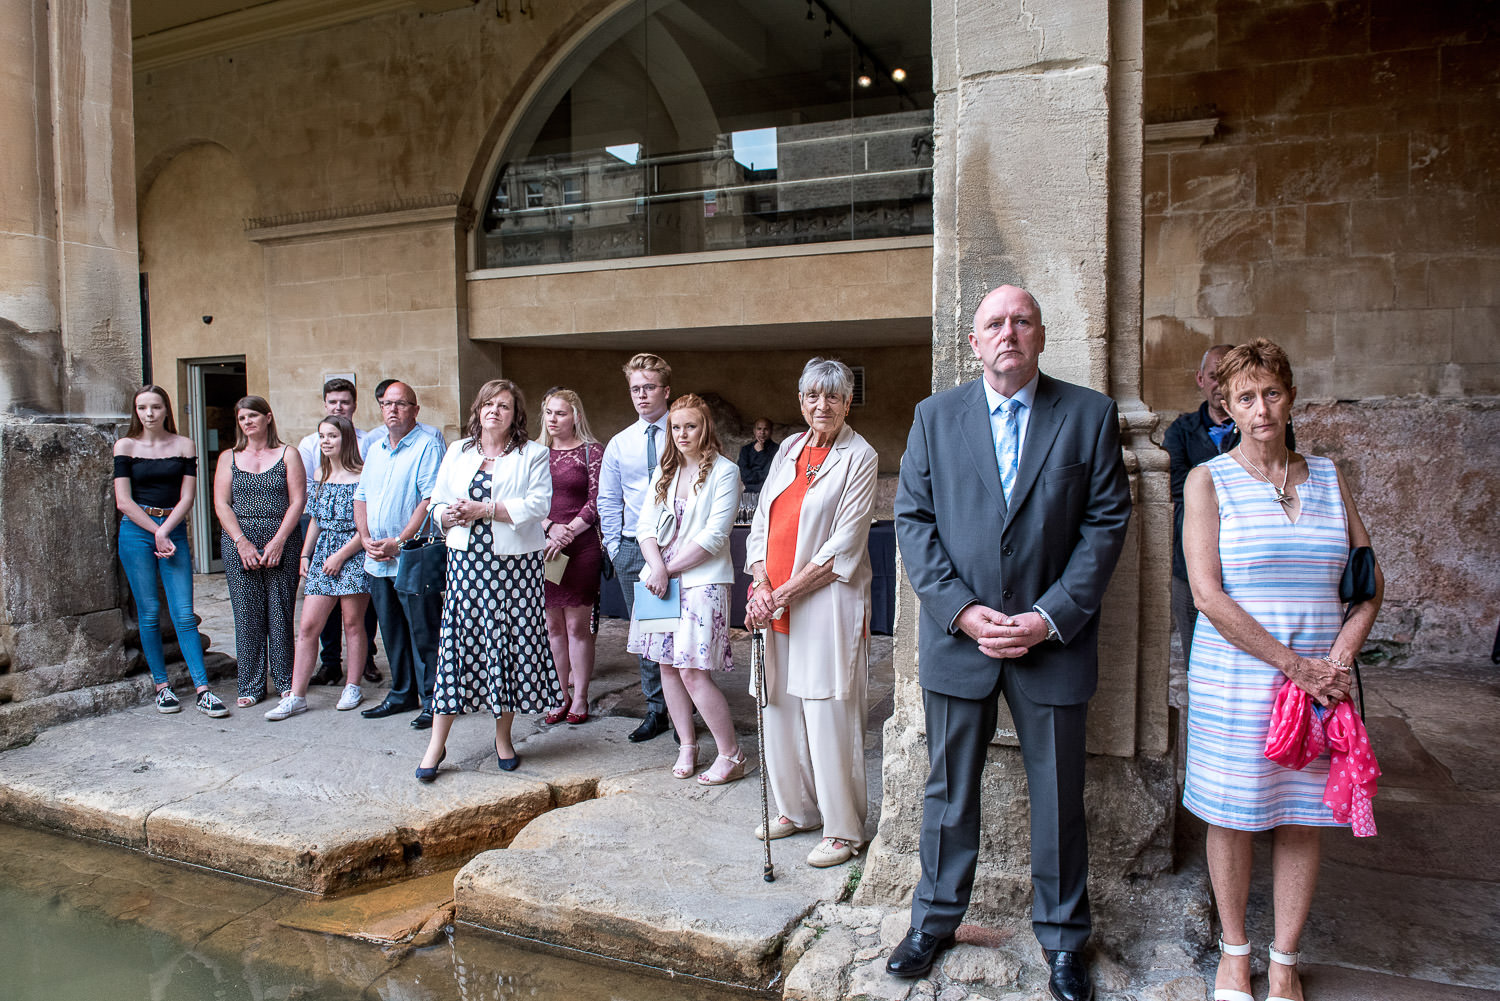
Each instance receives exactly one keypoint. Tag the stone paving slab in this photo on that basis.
(660, 870)
(320, 802)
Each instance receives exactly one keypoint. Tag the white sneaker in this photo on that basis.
(352, 697)
(290, 705)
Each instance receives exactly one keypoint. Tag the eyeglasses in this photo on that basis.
(645, 390)
(395, 404)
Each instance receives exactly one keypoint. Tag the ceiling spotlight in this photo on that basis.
(898, 74)
(863, 79)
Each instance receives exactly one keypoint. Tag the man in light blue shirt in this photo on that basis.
(389, 506)
(629, 460)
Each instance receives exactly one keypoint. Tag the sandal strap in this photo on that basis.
(1243, 949)
(1284, 958)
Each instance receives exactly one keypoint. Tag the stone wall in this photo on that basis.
(1346, 207)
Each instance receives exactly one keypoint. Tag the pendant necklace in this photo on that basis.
(1282, 497)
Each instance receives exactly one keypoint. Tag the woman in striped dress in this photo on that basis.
(1267, 533)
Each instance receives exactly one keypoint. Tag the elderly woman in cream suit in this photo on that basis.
(809, 559)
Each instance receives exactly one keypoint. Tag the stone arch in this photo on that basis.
(199, 262)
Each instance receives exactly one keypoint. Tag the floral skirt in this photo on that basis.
(701, 640)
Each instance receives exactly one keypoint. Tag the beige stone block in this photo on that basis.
(872, 302)
(633, 313)
(1182, 45)
(1213, 178)
(531, 321)
(912, 266)
(1464, 281)
(687, 311)
(677, 279)
(490, 293)
(418, 290)
(831, 271)
(737, 277)
(1395, 336)
(1328, 229)
(1226, 291)
(1326, 170)
(1392, 163)
(408, 248)
(992, 39)
(1272, 33)
(1363, 381)
(299, 263)
(1411, 283)
(1154, 180)
(1236, 237)
(340, 297)
(1289, 232)
(785, 306)
(1323, 285)
(584, 286)
(1476, 335)
(423, 329)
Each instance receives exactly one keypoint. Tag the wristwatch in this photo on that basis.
(1051, 629)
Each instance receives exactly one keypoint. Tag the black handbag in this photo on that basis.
(422, 564)
(1358, 585)
(606, 565)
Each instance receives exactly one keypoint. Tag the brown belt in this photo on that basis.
(156, 512)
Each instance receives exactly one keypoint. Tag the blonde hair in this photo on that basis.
(580, 421)
(647, 362)
(672, 457)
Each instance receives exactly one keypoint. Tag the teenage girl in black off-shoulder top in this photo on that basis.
(156, 473)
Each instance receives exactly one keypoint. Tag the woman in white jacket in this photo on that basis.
(492, 492)
(684, 534)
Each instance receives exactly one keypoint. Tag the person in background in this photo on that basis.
(333, 576)
(492, 492)
(1193, 438)
(684, 531)
(630, 459)
(390, 505)
(808, 557)
(756, 456)
(1267, 535)
(340, 399)
(571, 528)
(155, 476)
(259, 492)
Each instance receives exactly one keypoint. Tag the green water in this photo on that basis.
(81, 921)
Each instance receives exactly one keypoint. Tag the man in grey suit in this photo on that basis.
(1010, 515)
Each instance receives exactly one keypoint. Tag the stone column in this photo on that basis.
(1037, 184)
(69, 338)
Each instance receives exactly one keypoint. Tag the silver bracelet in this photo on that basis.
(1330, 658)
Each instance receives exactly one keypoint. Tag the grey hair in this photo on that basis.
(828, 375)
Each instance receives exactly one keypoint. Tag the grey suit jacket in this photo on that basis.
(1055, 545)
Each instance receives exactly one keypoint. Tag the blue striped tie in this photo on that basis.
(1008, 447)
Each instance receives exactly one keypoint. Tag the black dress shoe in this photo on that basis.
(372, 674)
(654, 725)
(388, 708)
(423, 720)
(915, 955)
(1070, 976)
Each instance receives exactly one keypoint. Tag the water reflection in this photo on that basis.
(81, 921)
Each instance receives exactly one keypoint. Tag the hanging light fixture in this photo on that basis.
(898, 74)
(864, 79)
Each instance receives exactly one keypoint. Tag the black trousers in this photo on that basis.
(409, 625)
(1052, 750)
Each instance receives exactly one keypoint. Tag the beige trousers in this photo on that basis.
(815, 751)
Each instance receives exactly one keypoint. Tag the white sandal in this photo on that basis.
(1285, 959)
(1224, 993)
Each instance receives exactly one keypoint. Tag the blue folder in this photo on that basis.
(658, 615)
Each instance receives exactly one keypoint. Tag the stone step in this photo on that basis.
(656, 871)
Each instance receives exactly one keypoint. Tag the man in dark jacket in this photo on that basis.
(1193, 437)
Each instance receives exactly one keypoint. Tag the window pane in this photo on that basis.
(700, 125)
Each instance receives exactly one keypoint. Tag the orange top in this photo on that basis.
(786, 515)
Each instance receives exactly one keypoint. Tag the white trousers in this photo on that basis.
(815, 750)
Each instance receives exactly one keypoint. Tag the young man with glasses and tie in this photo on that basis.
(629, 460)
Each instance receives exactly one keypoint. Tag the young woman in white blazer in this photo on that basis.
(684, 534)
(492, 492)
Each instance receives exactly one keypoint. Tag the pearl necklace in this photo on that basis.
(1282, 497)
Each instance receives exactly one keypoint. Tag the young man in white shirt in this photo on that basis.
(629, 460)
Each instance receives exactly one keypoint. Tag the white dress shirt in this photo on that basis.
(623, 478)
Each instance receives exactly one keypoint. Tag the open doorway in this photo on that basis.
(213, 387)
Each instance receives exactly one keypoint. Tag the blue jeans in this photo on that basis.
(143, 569)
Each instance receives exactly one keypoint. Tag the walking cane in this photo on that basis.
(758, 674)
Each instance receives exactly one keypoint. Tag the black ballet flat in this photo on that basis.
(507, 764)
(428, 774)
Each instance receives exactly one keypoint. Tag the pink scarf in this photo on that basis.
(1298, 735)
